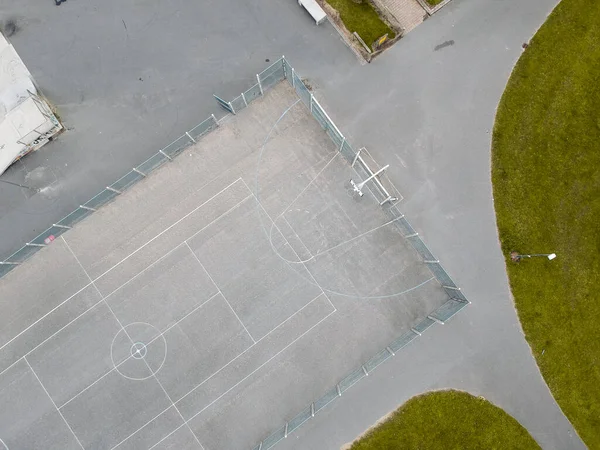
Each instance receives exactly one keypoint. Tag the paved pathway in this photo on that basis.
(433, 126)
(408, 13)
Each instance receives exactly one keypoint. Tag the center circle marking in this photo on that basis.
(138, 350)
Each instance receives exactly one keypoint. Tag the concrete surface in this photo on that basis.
(208, 326)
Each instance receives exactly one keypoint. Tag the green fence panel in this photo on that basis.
(203, 128)
(100, 199)
(126, 181)
(155, 161)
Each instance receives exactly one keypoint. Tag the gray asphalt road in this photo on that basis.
(128, 77)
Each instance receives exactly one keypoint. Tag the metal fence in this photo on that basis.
(110, 192)
(456, 300)
(276, 72)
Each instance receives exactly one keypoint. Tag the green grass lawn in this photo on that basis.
(546, 176)
(363, 19)
(434, 2)
(447, 420)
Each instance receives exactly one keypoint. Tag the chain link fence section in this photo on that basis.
(109, 193)
(456, 300)
(268, 78)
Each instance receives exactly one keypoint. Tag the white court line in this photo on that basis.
(250, 347)
(356, 237)
(173, 404)
(220, 292)
(153, 373)
(238, 383)
(169, 227)
(122, 362)
(180, 244)
(196, 308)
(82, 268)
(297, 235)
(58, 410)
(301, 241)
(46, 315)
(92, 281)
(89, 386)
(52, 335)
(145, 269)
(145, 425)
(259, 367)
(168, 435)
(150, 342)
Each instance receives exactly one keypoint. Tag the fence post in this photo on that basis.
(215, 119)
(244, 98)
(232, 110)
(135, 170)
(191, 138)
(293, 78)
(283, 65)
(311, 103)
(116, 191)
(451, 287)
(260, 85)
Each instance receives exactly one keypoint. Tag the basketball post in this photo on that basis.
(358, 187)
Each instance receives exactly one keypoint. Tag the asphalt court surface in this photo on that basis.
(212, 301)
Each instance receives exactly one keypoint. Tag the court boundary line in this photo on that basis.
(173, 249)
(227, 364)
(54, 404)
(174, 324)
(144, 426)
(250, 347)
(255, 342)
(261, 366)
(170, 226)
(91, 283)
(153, 374)
(219, 289)
(294, 231)
(237, 205)
(290, 245)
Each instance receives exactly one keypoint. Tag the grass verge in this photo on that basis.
(362, 18)
(433, 2)
(447, 420)
(546, 177)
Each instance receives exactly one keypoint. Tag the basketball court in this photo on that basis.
(212, 301)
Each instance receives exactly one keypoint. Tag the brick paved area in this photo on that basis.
(408, 13)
